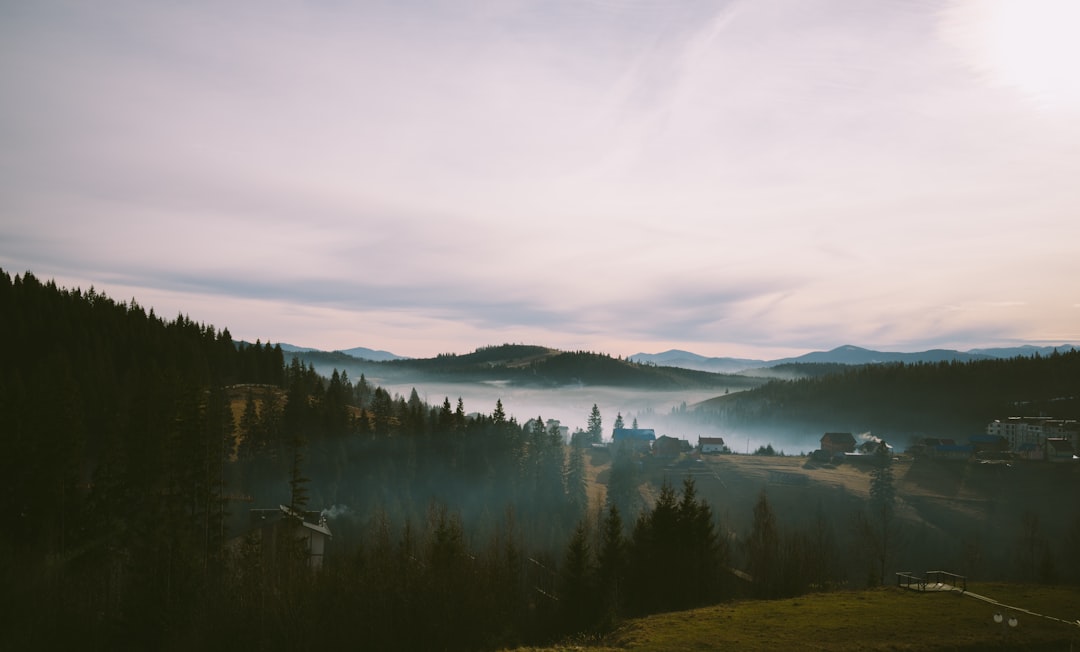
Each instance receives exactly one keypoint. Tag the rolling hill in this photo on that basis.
(527, 365)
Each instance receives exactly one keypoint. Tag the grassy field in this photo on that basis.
(879, 619)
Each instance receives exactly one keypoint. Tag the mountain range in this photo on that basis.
(361, 352)
(514, 358)
(524, 365)
(846, 354)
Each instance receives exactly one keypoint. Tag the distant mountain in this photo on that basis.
(360, 352)
(688, 360)
(365, 353)
(292, 348)
(1026, 350)
(847, 354)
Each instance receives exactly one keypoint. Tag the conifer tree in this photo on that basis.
(763, 548)
(576, 582)
(577, 483)
(595, 426)
(611, 562)
(882, 507)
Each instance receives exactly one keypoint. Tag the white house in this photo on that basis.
(711, 444)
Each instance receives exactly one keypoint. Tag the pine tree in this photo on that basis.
(611, 562)
(763, 548)
(595, 426)
(701, 555)
(576, 583)
(883, 507)
(577, 496)
(297, 480)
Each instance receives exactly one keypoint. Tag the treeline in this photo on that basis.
(115, 425)
(943, 398)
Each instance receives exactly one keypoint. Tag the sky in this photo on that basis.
(751, 179)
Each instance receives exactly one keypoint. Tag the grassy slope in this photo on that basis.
(880, 619)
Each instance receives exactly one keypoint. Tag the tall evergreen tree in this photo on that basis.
(577, 483)
(576, 583)
(595, 425)
(611, 562)
(883, 507)
(763, 548)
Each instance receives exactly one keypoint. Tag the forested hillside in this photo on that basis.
(945, 398)
(526, 365)
(135, 447)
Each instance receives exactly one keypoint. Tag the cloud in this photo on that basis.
(444, 175)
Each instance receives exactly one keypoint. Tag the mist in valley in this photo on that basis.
(669, 413)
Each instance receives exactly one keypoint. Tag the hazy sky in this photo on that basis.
(756, 178)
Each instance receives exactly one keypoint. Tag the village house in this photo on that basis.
(942, 448)
(665, 446)
(871, 445)
(712, 445)
(1059, 449)
(267, 527)
(838, 442)
(640, 439)
(549, 425)
(988, 444)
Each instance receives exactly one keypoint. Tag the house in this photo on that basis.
(665, 446)
(268, 526)
(838, 442)
(712, 445)
(640, 439)
(549, 426)
(989, 443)
(942, 448)
(1029, 451)
(872, 445)
(1059, 449)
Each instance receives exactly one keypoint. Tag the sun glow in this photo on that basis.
(1032, 46)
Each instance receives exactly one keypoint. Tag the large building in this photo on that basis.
(1032, 432)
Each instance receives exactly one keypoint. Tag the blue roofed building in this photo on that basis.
(640, 439)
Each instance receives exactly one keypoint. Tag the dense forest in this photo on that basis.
(895, 400)
(138, 448)
(135, 446)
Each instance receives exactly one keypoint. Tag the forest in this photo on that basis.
(136, 446)
(948, 399)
